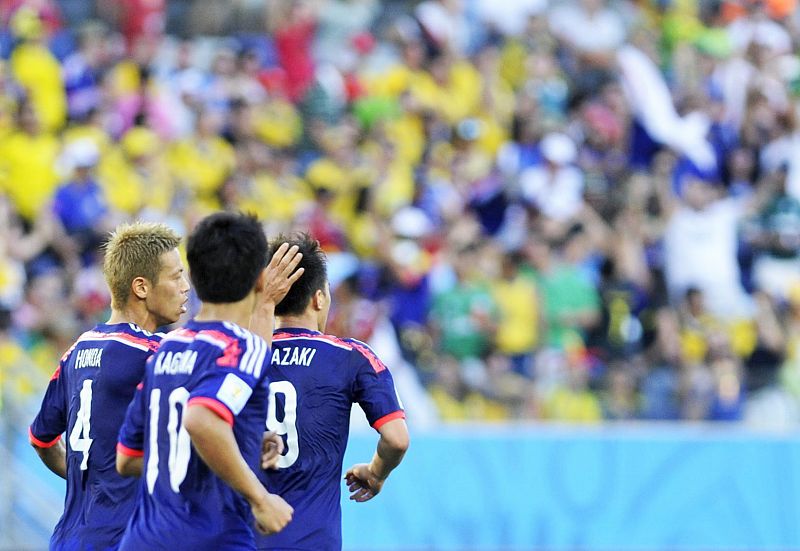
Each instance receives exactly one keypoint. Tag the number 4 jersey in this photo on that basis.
(316, 378)
(87, 398)
(183, 504)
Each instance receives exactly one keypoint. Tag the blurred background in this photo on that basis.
(570, 227)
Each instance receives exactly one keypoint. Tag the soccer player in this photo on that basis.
(315, 379)
(195, 427)
(96, 379)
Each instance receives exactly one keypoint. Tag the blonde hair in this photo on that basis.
(134, 250)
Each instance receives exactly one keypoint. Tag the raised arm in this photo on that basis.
(279, 276)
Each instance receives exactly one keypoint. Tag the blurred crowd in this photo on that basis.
(572, 210)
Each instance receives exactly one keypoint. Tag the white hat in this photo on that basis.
(558, 148)
(411, 222)
(82, 153)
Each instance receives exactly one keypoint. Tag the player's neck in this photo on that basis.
(303, 321)
(236, 312)
(132, 314)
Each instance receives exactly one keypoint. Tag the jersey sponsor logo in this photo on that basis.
(175, 363)
(234, 393)
(88, 357)
(293, 355)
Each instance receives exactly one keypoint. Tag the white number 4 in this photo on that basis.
(79, 439)
(288, 425)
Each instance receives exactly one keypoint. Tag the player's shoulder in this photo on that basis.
(128, 335)
(365, 353)
(314, 338)
(233, 345)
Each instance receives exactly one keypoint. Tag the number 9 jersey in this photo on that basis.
(87, 397)
(316, 378)
(183, 504)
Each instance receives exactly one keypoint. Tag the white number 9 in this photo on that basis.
(286, 426)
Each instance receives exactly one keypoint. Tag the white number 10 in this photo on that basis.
(179, 442)
(288, 425)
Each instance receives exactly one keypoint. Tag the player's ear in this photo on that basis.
(318, 300)
(140, 287)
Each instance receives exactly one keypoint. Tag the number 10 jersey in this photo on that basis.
(183, 504)
(87, 397)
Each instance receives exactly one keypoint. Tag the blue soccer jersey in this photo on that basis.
(87, 398)
(183, 504)
(315, 379)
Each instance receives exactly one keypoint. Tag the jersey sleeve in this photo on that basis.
(51, 421)
(374, 387)
(225, 387)
(131, 434)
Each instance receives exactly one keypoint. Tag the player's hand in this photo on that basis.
(362, 483)
(271, 450)
(272, 514)
(281, 273)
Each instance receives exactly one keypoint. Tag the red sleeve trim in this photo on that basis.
(130, 452)
(40, 443)
(56, 373)
(214, 405)
(399, 414)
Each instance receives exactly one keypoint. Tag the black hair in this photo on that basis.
(314, 277)
(226, 253)
(693, 292)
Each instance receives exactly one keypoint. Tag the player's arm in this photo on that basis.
(213, 438)
(278, 278)
(271, 449)
(375, 392)
(365, 480)
(54, 457)
(128, 465)
(51, 421)
(130, 447)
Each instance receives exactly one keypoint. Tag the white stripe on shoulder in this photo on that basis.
(177, 338)
(88, 338)
(244, 362)
(238, 331)
(138, 329)
(210, 340)
(258, 350)
(320, 339)
(361, 343)
(261, 357)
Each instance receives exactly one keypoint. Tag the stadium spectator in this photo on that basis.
(621, 162)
